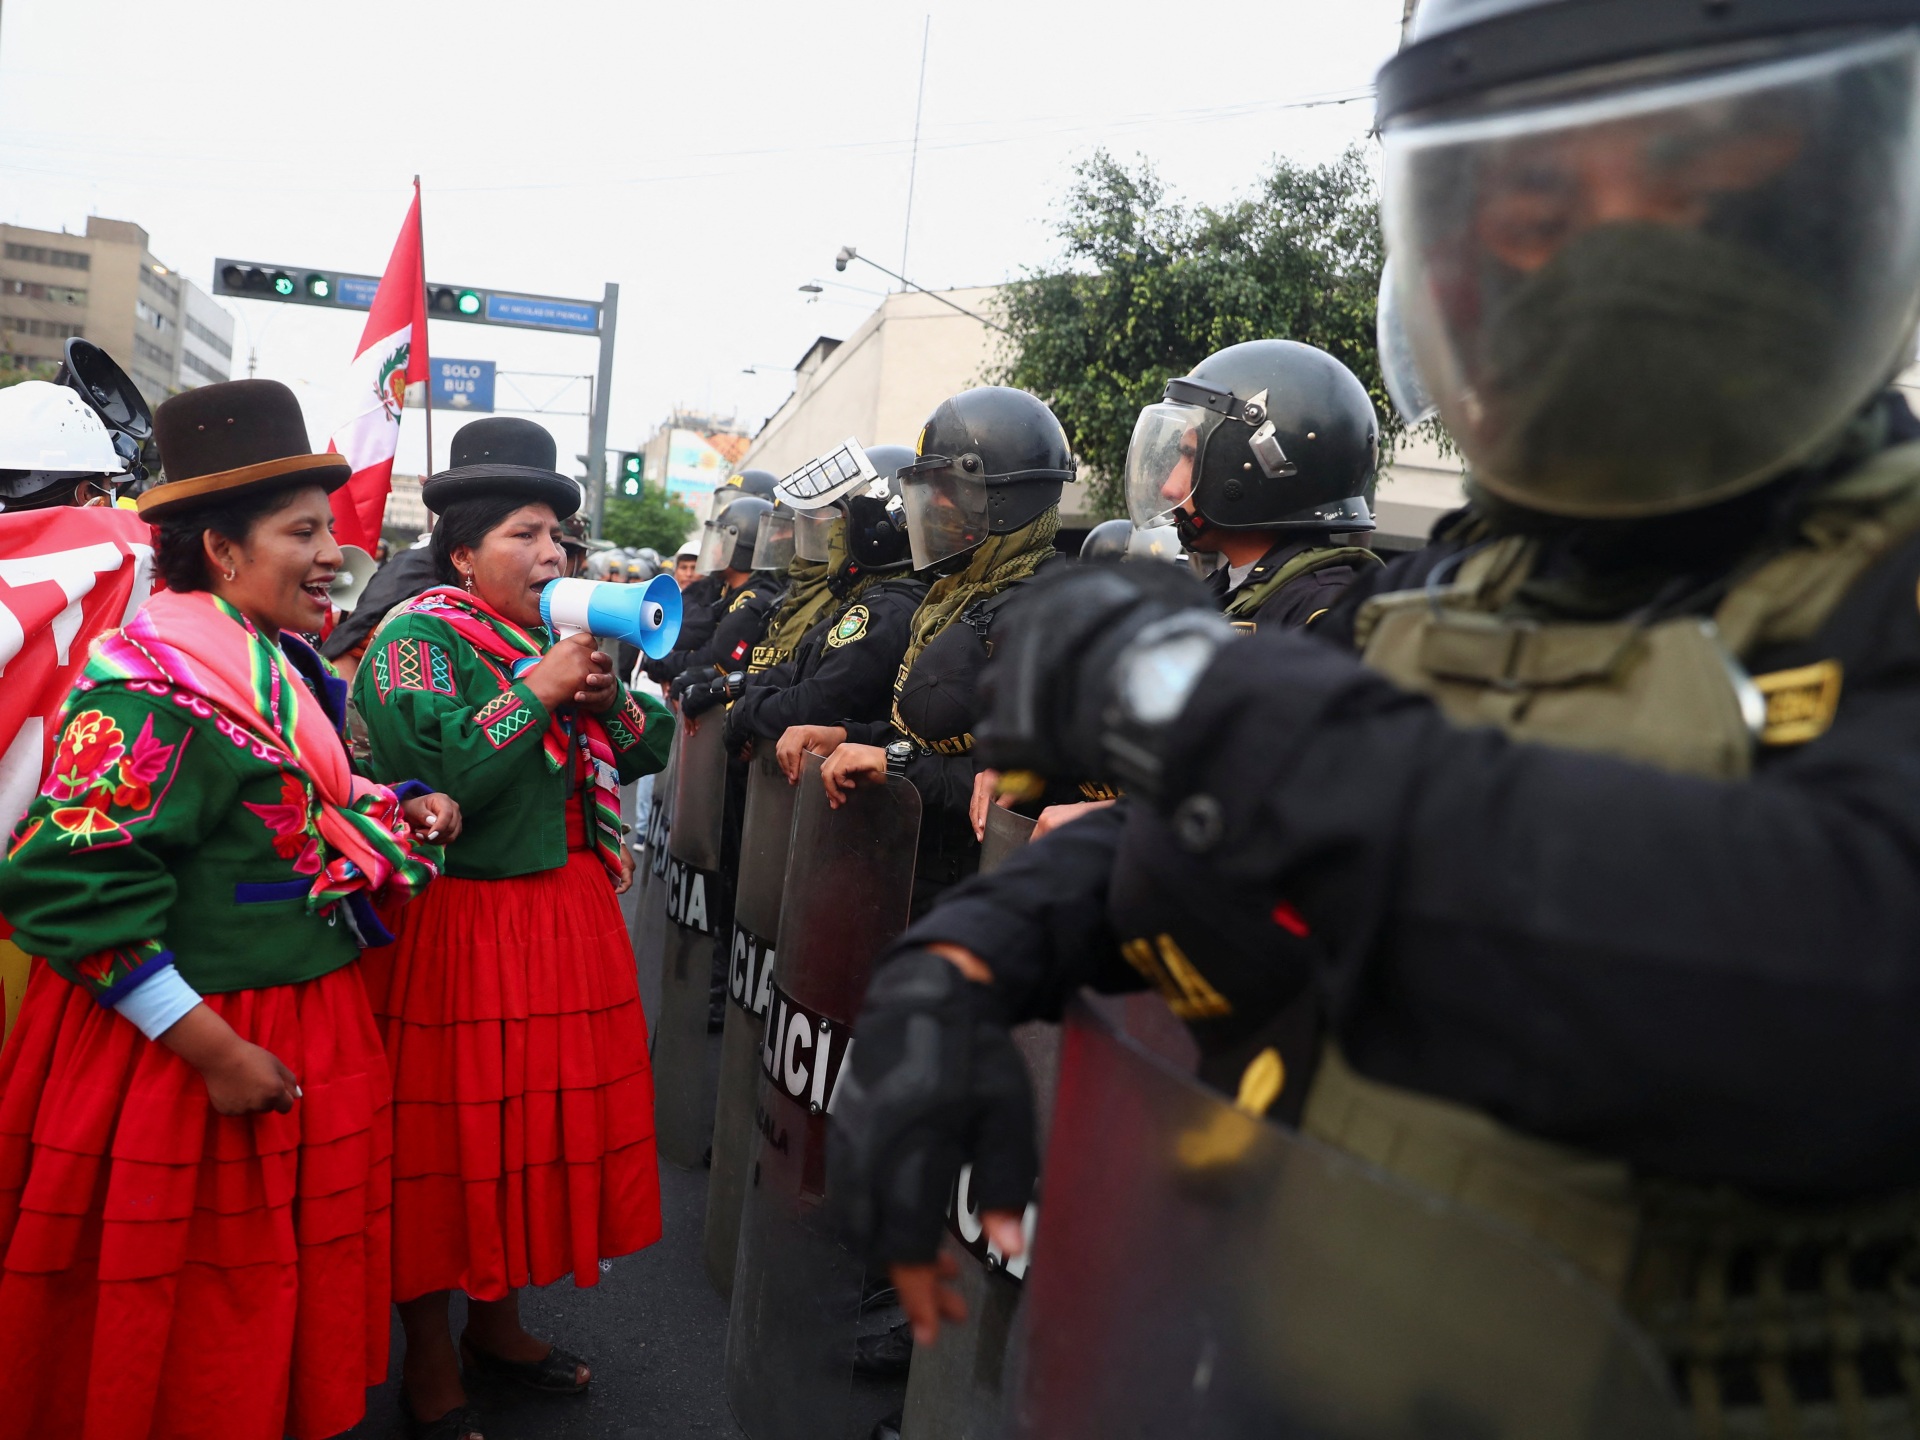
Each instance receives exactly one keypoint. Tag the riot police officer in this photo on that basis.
(1603, 808)
(739, 612)
(982, 506)
(841, 667)
(74, 440)
(1259, 458)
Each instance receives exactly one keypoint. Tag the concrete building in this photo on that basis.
(109, 287)
(880, 384)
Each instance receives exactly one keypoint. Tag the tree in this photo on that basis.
(15, 368)
(1147, 287)
(653, 518)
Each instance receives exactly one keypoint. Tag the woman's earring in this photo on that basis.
(228, 574)
(468, 574)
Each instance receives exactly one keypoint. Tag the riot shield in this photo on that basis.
(1200, 1271)
(650, 906)
(955, 1388)
(682, 1088)
(756, 928)
(792, 1355)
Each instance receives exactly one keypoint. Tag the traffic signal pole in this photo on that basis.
(597, 420)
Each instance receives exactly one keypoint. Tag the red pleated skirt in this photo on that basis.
(169, 1271)
(523, 1096)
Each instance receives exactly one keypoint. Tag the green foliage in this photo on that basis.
(650, 518)
(1148, 287)
(14, 369)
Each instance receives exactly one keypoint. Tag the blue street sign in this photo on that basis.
(356, 291)
(557, 314)
(462, 384)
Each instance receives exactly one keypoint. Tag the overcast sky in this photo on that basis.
(707, 158)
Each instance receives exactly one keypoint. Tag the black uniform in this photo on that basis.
(843, 669)
(738, 616)
(938, 706)
(697, 620)
(1303, 598)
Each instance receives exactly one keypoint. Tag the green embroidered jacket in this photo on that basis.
(438, 710)
(161, 835)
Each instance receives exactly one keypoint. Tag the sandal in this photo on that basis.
(552, 1374)
(460, 1423)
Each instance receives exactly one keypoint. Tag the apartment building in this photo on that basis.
(109, 287)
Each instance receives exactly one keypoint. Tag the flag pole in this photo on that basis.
(427, 397)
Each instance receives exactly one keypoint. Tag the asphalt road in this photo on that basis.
(653, 1329)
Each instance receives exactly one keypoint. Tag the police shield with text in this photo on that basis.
(1603, 811)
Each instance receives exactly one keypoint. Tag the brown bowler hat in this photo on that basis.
(220, 441)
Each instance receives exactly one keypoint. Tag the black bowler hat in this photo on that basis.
(504, 455)
(218, 442)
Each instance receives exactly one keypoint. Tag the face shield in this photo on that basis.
(1645, 301)
(1411, 399)
(716, 548)
(946, 510)
(1162, 459)
(813, 532)
(773, 547)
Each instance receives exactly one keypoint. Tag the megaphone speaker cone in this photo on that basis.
(646, 617)
(357, 569)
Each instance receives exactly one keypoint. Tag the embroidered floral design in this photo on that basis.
(23, 835)
(90, 746)
(110, 973)
(88, 823)
(143, 765)
(292, 826)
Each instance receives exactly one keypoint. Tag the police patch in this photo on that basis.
(739, 600)
(1800, 702)
(852, 627)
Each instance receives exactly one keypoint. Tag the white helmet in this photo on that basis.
(49, 441)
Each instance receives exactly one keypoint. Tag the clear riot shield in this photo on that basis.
(756, 929)
(1199, 1271)
(650, 906)
(955, 1390)
(797, 1291)
(682, 1088)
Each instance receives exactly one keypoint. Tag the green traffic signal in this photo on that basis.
(319, 287)
(469, 302)
(282, 283)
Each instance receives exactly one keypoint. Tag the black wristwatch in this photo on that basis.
(734, 685)
(898, 754)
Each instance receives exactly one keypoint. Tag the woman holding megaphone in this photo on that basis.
(523, 1114)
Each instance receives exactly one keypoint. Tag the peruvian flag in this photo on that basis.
(392, 355)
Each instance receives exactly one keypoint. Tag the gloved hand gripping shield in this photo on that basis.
(1646, 300)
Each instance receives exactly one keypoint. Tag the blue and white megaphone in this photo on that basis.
(645, 616)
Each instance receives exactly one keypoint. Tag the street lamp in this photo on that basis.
(848, 254)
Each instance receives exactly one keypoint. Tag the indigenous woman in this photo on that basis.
(194, 1121)
(523, 1115)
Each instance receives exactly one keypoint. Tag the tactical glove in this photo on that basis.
(698, 699)
(688, 679)
(934, 1080)
(1094, 668)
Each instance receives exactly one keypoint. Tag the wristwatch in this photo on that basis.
(898, 754)
(734, 685)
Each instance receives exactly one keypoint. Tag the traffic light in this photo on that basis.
(270, 282)
(454, 304)
(319, 287)
(632, 472)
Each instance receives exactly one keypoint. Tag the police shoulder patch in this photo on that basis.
(742, 598)
(852, 626)
(1800, 702)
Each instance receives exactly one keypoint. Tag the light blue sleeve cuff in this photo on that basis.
(158, 1002)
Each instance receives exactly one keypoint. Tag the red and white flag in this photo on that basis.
(392, 355)
(67, 576)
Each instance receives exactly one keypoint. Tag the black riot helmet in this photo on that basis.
(876, 521)
(755, 482)
(1268, 435)
(989, 461)
(1647, 255)
(731, 535)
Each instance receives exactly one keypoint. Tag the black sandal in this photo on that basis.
(553, 1374)
(460, 1423)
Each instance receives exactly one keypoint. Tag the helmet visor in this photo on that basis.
(827, 478)
(946, 512)
(773, 546)
(716, 549)
(813, 533)
(1645, 301)
(1162, 459)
